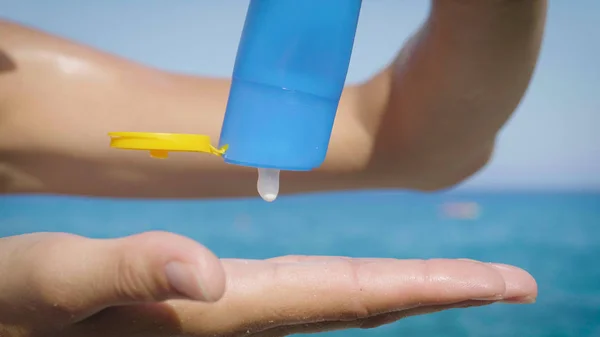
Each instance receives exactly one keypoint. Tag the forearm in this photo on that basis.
(452, 88)
(60, 99)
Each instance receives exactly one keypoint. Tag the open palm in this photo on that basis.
(274, 297)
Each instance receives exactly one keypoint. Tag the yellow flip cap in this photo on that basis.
(160, 144)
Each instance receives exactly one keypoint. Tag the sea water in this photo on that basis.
(554, 236)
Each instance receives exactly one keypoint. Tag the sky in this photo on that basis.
(551, 142)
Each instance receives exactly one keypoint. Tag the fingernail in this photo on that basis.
(519, 284)
(185, 279)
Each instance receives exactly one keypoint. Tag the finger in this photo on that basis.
(367, 323)
(262, 295)
(513, 292)
(304, 258)
(265, 295)
(320, 258)
(80, 276)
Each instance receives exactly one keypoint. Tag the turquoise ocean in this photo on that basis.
(555, 236)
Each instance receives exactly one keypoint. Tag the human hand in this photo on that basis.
(65, 285)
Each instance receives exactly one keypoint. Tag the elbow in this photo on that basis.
(429, 171)
(453, 173)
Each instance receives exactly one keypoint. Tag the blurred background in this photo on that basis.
(537, 205)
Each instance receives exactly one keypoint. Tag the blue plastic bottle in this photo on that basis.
(288, 77)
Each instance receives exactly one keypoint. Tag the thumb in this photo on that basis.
(83, 276)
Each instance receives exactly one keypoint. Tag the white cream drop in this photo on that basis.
(268, 184)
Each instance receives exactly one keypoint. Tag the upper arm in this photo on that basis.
(452, 88)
